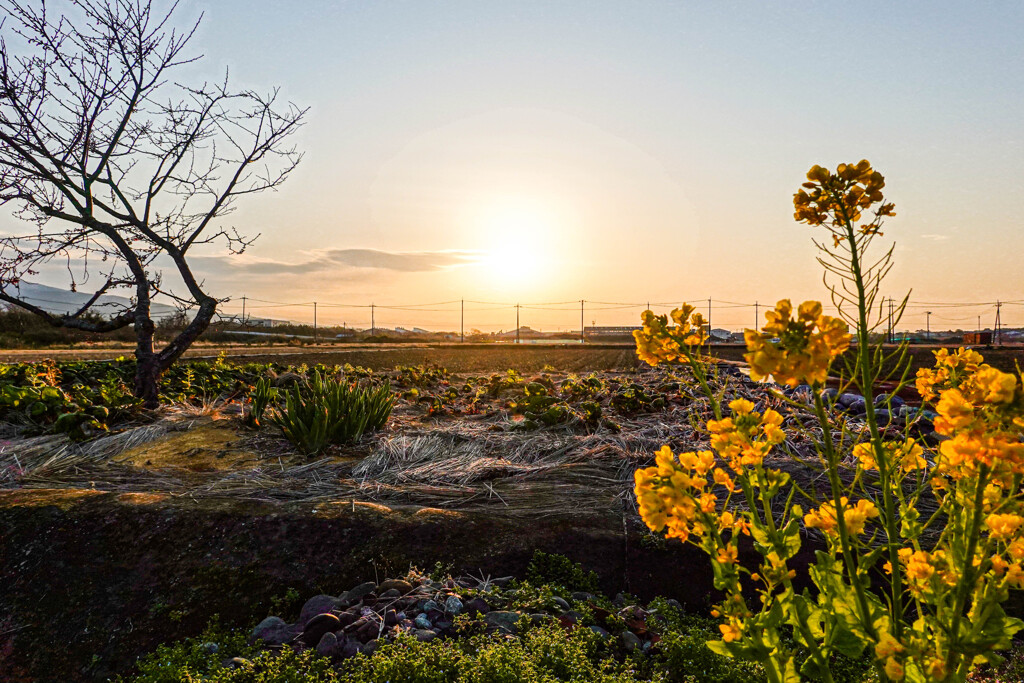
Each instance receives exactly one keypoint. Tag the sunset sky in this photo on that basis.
(620, 152)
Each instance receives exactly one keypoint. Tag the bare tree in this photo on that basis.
(121, 170)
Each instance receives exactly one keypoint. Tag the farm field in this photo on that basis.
(544, 439)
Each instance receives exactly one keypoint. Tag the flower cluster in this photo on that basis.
(795, 350)
(674, 493)
(660, 342)
(906, 455)
(981, 410)
(950, 370)
(745, 438)
(838, 199)
(854, 517)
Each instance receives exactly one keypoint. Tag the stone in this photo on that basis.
(848, 398)
(600, 632)
(273, 631)
(453, 605)
(391, 618)
(883, 417)
(368, 631)
(346, 618)
(421, 621)
(236, 663)
(389, 595)
(209, 648)
(424, 634)
(430, 606)
(399, 585)
(629, 641)
(327, 645)
(582, 596)
(478, 606)
(369, 647)
(356, 594)
(318, 626)
(562, 603)
(318, 604)
(892, 399)
(502, 621)
(350, 649)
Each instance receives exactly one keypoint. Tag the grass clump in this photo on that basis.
(325, 410)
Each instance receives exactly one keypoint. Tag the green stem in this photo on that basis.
(968, 578)
(867, 389)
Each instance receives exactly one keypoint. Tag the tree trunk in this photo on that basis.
(147, 380)
(147, 362)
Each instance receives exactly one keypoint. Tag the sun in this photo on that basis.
(516, 241)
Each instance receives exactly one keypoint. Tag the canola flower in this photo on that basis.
(659, 342)
(941, 612)
(806, 346)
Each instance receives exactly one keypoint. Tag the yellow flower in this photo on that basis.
(727, 555)
(955, 412)
(995, 385)
(887, 646)
(731, 632)
(805, 348)
(855, 517)
(893, 669)
(1003, 526)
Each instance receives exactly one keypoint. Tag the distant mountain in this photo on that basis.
(60, 301)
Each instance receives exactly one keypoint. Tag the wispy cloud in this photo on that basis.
(934, 237)
(335, 259)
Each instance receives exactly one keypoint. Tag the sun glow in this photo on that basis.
(517, 241)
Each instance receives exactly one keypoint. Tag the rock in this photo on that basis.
(369, 647)
(600, 632)
(422, 622)
(629, 641)
(882, 417)
(273, 631)
(478, 606)
(318, 626)
(350, 649)
(209, 648)
(346, 618)
(318, 604)
(389, 595)
(356, 594)
(672, 602)
(425, 635)
(892, 400)
(562, 603)
(453, 605)
(539, 618)
(846, 399)
(430, 606)
(502, 621)
(830, 395)
(391, 618)
(236, 663)
(443, 626)
(399, 585)
(327, 645)
(368, 631)
(582, 596)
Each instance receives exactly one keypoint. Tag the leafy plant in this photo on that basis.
(323, 411)
(261, 396)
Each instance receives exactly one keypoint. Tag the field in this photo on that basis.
(491, 453)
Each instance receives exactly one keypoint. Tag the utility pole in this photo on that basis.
(890, 321)
(243, 310)
(583, 339)
(373, 323)
(462, 321)
(928, 325)
(709, 325)
(997, 328)
(315, 339)
(517, 323)
(757, 318)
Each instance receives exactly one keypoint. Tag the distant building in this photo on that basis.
(264, 322)
(982, 338)
(610, 331)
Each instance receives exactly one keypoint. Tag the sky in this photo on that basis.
(547, 152)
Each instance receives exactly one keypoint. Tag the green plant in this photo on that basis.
(261, 396)
(547, 568)
(323, 411)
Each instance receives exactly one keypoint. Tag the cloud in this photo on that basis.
(935, 237)
(333, 259)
